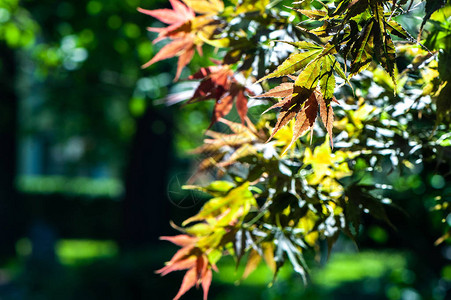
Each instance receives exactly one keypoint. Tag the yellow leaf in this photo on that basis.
(284, 136)
(211, 241)
(200, 229)
(307, 223)
(221, 211)
(205, 6)
(220, 43)
(252, 263)
(268, 255)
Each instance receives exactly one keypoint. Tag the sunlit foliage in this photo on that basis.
(382, 96)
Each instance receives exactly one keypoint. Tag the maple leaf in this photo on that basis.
(218, 83)
(179, 29)
(296, 61)
(226, 210)
(225, 149)
(312, 90)
(302, 104)
(205, 6)
(369, 38)
(374, 42)
(186, 31)
(179, 15)
(190, 258)
(365, 33)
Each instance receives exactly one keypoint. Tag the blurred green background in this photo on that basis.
(92, 163)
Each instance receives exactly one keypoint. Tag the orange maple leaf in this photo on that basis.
(184, 30)
(179, 30)
(239, 144)
(190, 258)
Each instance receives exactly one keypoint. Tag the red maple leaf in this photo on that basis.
(192, 259)
(218, 83)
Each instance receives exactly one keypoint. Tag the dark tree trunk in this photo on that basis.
(146, 204)
(10, 225)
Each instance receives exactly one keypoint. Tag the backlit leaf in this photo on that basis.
(313, 14)
(219, 83)
(362, 50)
(281, 91)
(205, 6)
(241, 105)
(292, 64)
(237, 202)
(303, 45)
(206, 282)
(309, 77)
(169, 50)
(327, 114)
(252, 263)
(179, 14)
(288, 111)
(188, 282)
(222, 108)
(180, 240)
(306, 117)
(388, 57)
(396, 29)
(327, 81)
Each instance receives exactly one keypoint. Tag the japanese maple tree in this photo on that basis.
(313, 59)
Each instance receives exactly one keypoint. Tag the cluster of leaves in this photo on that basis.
(281, 197)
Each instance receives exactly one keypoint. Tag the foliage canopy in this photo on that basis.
(381, 96)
